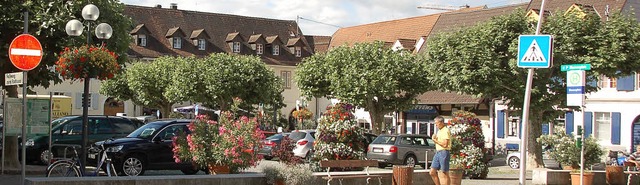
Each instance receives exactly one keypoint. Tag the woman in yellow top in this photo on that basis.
(443, 156)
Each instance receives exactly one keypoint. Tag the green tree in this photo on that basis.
(47, 20)
(216, 79)
(481, 60)
(149, 83)
(368, 75)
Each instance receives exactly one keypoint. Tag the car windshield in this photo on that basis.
(297, 135)
(60, 121)
(275, 137)
(146, 131)
(384, 140)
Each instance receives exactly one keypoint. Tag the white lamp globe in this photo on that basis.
(90, 12)
(74, 28)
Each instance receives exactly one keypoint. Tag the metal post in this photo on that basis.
(525, 111)
(50, 125)
(85, 123)
(4, 133)
(24, 109)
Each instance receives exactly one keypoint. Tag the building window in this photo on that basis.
(142, 40)
(259, 49)
(602, 126)
(606, 82)
(298, 51)
(513, 127)
(276, 50)
(56, 93)
(177, 43)
(236, 47)
(286, 79)
(201, 44)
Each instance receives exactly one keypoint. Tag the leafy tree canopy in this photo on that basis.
(481, 60)
(47, 21)
(368, 75)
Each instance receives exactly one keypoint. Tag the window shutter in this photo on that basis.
(78, 101)
(626, 83)
(615, 128)
(520, 129)
(500, 124)
(95, 99)
(588, 124)
(568, 122)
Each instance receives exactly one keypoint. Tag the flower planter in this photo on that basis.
(587, 179)
(218, 169)
(615, 175)
(455, 176)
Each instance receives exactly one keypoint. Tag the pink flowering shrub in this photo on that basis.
(231, 141)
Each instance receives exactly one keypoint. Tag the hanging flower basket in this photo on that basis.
(303, 113)
(87, 61)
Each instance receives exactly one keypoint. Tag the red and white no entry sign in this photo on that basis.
(25, 52)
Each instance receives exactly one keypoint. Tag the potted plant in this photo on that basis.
(224, 146)
(87, 62)
(293, 172)
(467, 144)
(564, 150)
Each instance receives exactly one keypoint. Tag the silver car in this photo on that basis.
(407, 149)
(304, 142)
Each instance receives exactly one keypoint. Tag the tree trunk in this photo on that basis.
(10, 148)
(377, 121)
(165, 111)
(534, 159)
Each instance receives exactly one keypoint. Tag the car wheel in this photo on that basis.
(45, 156)
(133, 165)
(382, 165)
(410, 160)
(189, 171)
(513, 162)
(268, 157)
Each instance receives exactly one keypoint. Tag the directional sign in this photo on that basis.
(571, 67)
(13, 78)
(25, 52)
(575, 87)
(535, 51)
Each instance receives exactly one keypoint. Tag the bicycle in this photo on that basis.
(71, 167)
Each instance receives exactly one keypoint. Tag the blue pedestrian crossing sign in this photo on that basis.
(535, 51)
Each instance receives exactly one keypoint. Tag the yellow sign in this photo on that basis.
(61, 107)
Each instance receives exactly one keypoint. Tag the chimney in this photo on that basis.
(158, 6)
(174, 6)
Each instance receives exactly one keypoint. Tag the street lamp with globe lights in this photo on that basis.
(74, 27)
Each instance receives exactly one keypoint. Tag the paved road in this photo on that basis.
(498, 174)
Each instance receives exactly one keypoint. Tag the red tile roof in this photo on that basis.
(387, 31)
(438, 97)
(163, 22)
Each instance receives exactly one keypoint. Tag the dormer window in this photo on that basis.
(201, 43)
(236, 47)
(259, 49)
(276, 50)
(177, 42)
(298, 51)
(142, 40)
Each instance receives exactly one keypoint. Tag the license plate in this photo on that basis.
(377, 150)
(92, 156)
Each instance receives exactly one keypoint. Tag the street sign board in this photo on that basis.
(13, 78)
(575, 87)
(570, 67)
(535, 51)
(25, 52)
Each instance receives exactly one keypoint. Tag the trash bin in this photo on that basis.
(402, 175)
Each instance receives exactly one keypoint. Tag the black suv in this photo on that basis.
(68, 130)
(147, 148)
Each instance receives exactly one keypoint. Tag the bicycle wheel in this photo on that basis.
(63, 169)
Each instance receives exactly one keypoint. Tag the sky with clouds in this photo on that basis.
(322, 17)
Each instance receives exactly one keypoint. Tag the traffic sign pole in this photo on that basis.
(525, 110)
(24, 105)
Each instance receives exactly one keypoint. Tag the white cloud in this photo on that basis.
(343, 13)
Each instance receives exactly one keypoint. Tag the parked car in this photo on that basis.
(271, 143)
(407, 149)
(68, 130)
(304, 142)
(513, 160)
(147, 148)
